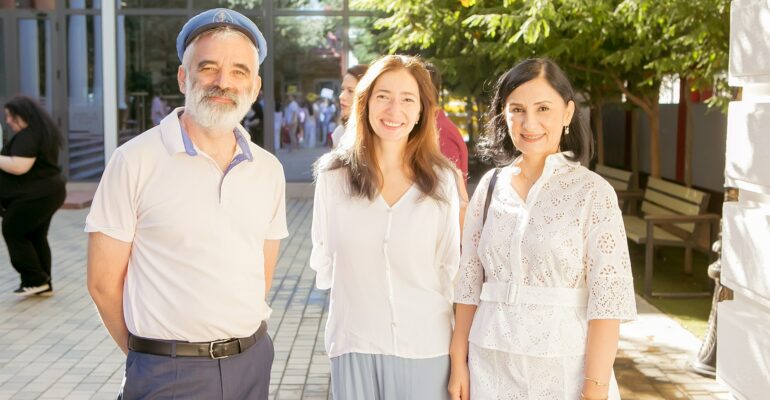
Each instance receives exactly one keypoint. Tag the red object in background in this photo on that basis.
(706, 94)
(699, 96)
(451, 142)
(694, 96)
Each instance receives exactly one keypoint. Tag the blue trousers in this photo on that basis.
(244, 376)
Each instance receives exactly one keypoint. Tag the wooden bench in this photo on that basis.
(673, 215)
(620, 180)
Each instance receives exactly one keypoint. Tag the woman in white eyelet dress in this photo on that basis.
(545, 281)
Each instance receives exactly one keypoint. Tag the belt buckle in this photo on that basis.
(211, 348)
(511, 293)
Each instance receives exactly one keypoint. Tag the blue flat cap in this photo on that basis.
(220, 17)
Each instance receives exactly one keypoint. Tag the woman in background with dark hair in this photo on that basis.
(31, 190)
(347, 92)
(545, 277)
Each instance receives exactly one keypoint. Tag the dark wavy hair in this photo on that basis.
(37, 119)
(422, 154)
(496, 143)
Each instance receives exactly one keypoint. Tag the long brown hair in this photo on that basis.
(422, 155)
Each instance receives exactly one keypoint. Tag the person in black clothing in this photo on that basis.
(31, 190)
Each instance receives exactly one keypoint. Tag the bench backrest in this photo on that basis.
(619, 179)
(666, 198)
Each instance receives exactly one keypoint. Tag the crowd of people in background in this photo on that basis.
(306, 120)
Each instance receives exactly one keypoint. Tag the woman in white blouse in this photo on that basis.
(386, 240)
(545, 281)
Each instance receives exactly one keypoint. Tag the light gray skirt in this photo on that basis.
(357, 376)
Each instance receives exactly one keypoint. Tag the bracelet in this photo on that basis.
(583, 397)
(594, 381)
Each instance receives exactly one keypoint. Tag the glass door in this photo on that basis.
(308, 65)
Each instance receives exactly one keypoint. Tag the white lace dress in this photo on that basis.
(538, 271)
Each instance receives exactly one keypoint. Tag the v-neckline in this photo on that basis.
(397, 202)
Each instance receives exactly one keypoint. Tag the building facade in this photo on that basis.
(106, 70)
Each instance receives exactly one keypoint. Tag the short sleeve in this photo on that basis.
(113, 210)
(26, 143)
(321, 259)
(470, 277)
(608, 267)
(277, 228)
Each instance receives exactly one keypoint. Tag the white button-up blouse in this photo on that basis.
(390, 268)
(551, 263)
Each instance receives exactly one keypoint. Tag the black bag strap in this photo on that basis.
(488, 201)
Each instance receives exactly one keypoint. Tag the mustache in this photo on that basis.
(216, 91)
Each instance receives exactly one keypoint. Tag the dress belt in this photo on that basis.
(511, 293)
(215, 349)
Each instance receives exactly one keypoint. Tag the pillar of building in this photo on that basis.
(110, 75)
(29, 64)
(77, 56)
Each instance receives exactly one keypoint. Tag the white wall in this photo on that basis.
(708, 148)
(743, 350)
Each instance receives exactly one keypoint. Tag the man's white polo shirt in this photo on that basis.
(196, 270)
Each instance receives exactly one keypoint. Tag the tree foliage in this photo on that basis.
(607, 47)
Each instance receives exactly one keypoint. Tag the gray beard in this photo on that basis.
(214, 116)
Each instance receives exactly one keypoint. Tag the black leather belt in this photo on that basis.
(216, 349)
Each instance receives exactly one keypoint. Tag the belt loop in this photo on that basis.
(173, 349)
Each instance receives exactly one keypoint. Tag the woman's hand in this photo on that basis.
(459, 381)
(460, 378)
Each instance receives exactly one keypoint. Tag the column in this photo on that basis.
(29, 67)
(109, 65)
(77, 57)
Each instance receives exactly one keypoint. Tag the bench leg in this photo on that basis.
(688, 260)
(648, 263)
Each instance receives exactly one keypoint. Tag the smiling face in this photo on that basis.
(536, 115)
(394, 105)
(220, 80)
(349, 83)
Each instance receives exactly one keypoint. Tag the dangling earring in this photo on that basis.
(566, 130)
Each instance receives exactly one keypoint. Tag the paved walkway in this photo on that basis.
(56, 348)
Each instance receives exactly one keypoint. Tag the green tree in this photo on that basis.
(608, 47)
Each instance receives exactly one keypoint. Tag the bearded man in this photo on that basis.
(185, 229)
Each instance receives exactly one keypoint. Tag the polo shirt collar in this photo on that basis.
(176, 140)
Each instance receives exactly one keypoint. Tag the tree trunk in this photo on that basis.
(681, 129)
(635, 149)
(653, 117)
(469, 119)
(689, 136)
(596, 117)
(479, 116)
